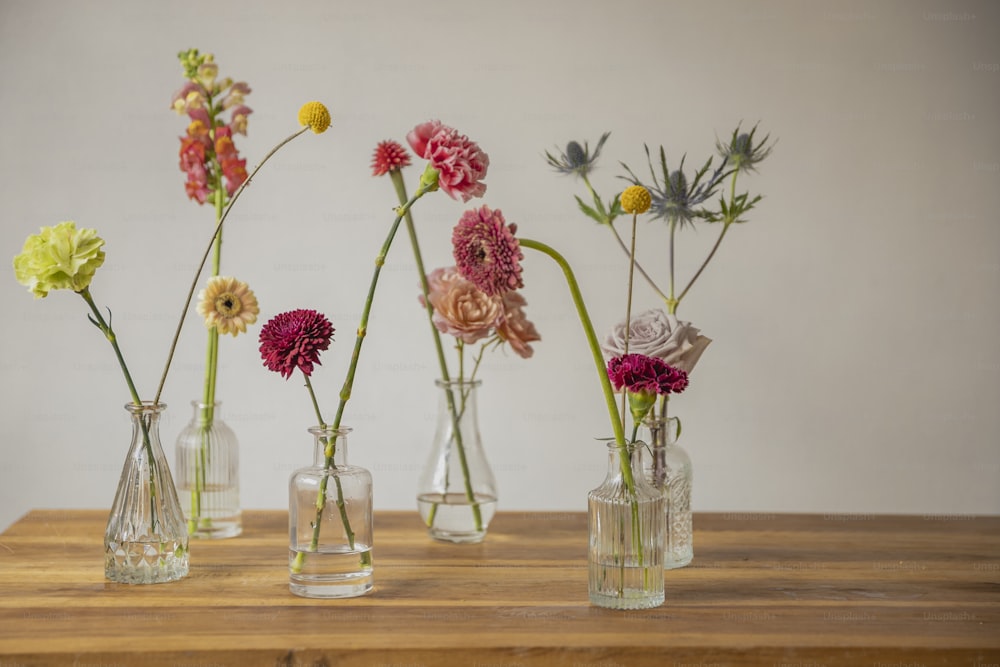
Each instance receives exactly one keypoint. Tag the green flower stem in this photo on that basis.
(625, 460)
(726, 222)
(329, 451)
(638, 266)
(204, 258)
(105, 327)
(397, 181)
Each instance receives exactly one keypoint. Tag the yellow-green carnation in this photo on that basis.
(60, 257)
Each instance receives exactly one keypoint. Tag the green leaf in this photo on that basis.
(589, 212)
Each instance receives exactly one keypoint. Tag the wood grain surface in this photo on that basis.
(782, 590)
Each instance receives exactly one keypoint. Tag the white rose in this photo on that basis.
(656, 333)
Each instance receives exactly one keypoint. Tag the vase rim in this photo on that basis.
(457, 383)
(202, 404)
(326, 429)
(146, 406)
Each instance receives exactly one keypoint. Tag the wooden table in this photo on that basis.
(775, 590)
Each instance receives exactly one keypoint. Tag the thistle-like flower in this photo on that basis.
(576, 159)
(389, 156)
(741, 153)
(675, 199)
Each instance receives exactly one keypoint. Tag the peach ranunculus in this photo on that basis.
(460, 308)
(515, 328)
(655, 333)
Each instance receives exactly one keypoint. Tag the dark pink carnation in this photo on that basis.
(638, 373)
(389, 156)
(487, 252)
(294, 340)
(460, 163)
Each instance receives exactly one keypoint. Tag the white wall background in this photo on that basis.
(856, 362)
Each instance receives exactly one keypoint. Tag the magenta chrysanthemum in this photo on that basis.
(389, 156)
(638, 373)
(294, 340)
(487, 252)
(460, 163)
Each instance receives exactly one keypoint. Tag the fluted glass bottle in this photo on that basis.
(670, 471)
(456, 492)
(330, 522)
(208, 474)
(145, 541)
(626, 524)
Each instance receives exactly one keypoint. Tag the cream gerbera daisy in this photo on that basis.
(228, 305)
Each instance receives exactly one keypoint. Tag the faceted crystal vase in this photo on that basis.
(208, 475)
(330, 522)
(626, 524)
(146, 540)
(456, 492)
(670, 471)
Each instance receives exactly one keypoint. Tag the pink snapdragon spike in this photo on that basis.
(639, 374)
(389, 156)
(460, 163)
(293, 340)
(487, 252)
(233, 168)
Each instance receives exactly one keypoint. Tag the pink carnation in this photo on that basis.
(460, 163)
(638, 373)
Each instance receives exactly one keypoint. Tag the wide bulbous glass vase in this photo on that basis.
(330, 522)
(208, 474)
(146, 540)
(457, 492)
(626, 524)
(670, 471)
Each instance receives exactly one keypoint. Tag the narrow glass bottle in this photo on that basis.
(330, 522)
(457, 492)
(146, 541)
(670, 471)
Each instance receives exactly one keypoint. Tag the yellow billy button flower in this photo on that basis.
(228, 305)
(315, 115)
(59, 257)
(636, 199)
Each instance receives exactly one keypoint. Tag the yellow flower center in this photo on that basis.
(315, 115)
(636, 199)
(228, 304)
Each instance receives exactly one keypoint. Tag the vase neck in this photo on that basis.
(615, 459)
(330, 442)
(662, 432)
(462, 395)
(145, 419)
(206, 413)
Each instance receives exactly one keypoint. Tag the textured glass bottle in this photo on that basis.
(330, 522)
(456, 492)
(670, 471)
(145, 541)
(208, 475)
(626, 536)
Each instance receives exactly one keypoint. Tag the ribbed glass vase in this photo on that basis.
(208, 474)
(626, 524)
(146, 541)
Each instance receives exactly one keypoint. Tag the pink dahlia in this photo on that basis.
(460, 163)
(389, 156)
(294, 340)
(487, 252)
(640, 374)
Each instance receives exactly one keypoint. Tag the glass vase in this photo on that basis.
(626, 524)
(670, 471)
(330, 522)
(456, 492)
(145, 541)
(208, 474)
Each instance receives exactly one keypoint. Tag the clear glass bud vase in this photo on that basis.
(208, 474)
(670, 471)
(626, 518)
(330, 522)
(145, 541)
(456, 492)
